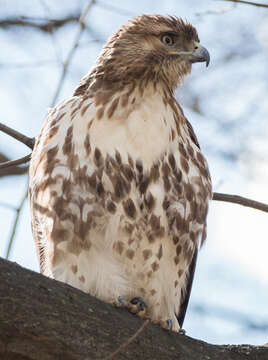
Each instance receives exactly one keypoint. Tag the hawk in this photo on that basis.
(119, 188)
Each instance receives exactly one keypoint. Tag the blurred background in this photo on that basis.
(45, 52)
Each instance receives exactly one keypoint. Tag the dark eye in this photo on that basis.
(167, 39)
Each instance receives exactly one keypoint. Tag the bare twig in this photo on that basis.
(17, 135)
(15, 225)
(248, 3)
(52, 37)
(129, 341)
(235, 199)
(69, 57)
(20, 161)
(23, 139)
(12, 170)
(40, 24)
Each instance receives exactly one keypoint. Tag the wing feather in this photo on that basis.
(186, 294)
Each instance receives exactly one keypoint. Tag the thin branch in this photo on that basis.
(40, 24)
(247, 3)
(129, 341)
(235, 199)
(52, 37)
(21, 138)
(69, 57)
(12, 170)
(15, 225)
(17, 135)
(20, 161)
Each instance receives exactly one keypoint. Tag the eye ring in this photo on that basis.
(167, 39)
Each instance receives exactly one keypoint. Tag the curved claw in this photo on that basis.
(139, 303)
(169, 324)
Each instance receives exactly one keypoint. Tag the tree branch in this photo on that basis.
(12, 170)
(17, 135)
(19, 161)
(21, 138)
(235, 199)
(15, 224)
(43, 319)
(248, 3)
(74, 47)
(38, 23)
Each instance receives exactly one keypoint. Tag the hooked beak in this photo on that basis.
(200, 55)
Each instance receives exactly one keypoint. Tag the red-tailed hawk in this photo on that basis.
(119, 189)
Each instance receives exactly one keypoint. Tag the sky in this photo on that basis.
(228, 108)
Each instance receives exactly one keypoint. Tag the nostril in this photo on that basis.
(196, 47)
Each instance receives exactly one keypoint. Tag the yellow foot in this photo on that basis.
(136, 305)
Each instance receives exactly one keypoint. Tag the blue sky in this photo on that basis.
(227, 105)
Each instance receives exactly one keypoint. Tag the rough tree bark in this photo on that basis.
(44, 319)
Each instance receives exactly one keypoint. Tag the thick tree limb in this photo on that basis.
(44, 319)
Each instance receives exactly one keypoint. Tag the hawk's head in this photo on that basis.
(150, 48)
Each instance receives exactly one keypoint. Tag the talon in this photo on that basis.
(137, 306)
(169, 324)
